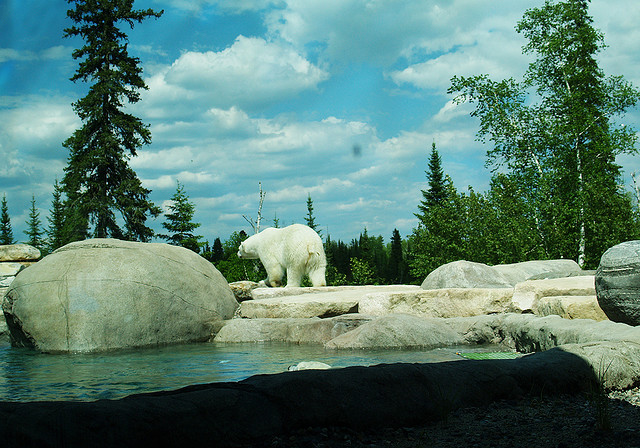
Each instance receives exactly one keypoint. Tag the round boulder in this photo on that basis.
(465, 274)
(104, 294)
(618, 283)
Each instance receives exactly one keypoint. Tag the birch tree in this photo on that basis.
(557, 132)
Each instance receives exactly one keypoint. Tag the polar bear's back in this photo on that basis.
(294, 241)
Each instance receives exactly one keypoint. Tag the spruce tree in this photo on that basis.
(98, 180)
(6, 233)
(34, 232)
(178, 221)
(56, 218)
(217, 250)
(436, 194)
(310, 219)
(396, 271)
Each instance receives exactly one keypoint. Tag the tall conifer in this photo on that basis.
(34, 231)
(6, 233)
(178, 221)
(98, 180)
(55, 230)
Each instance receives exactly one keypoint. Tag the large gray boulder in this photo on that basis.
(107, 294)
(467, 274)
(539, 269)
(618, 283)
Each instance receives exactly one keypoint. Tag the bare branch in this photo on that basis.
(255, 225)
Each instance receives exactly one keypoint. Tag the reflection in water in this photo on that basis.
(26, 375)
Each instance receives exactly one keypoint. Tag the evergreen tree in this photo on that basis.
(34, 232)
(310, 219)
(217, 250)
(436, 194)
(98, 179)
(178, 221)
(440, 235)
(6, 233)
(55, 231)
(562, 148)
(396, 272)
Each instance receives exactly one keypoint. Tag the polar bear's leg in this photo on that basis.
(274, 275)
(294, 276)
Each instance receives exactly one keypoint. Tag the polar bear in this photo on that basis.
(297, 249)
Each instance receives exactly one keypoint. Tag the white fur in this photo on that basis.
(296, 249)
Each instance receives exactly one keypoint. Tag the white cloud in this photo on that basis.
(233, 6)
(37, 122)
(382, 31)
(251, 73)
(51, 53)
(169, 181)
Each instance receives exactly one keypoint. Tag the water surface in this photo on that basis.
(26, 375)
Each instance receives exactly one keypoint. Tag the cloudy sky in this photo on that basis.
(337, 99)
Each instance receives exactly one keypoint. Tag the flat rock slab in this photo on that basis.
(293, 330)
(527, 294)
(446, 302)
(345, 291)
(310, 302)
(18, 252)
(10, 268)
(570, 307)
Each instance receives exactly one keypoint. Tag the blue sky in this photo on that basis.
(280, 92)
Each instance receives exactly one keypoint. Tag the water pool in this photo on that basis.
(26, 375)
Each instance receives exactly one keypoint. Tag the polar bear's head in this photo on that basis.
(248, 250)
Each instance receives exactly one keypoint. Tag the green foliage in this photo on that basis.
(375, 262)
(437, 192)
(362, 273)
(98, 180)
(34, 232)
(178, 221)
(6, 233)
(555, 135)
(218, 250)
(335, 278)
